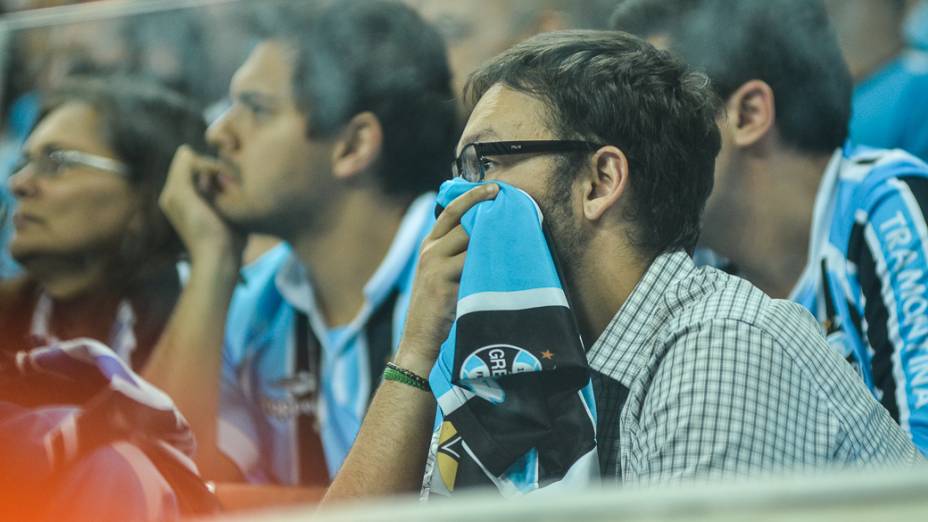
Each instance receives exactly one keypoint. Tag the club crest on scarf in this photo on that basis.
(481, 368)
(515, 403)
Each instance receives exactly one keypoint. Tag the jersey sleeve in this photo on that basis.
(892, 265)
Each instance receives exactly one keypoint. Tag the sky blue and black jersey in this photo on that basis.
(867, 275)
(294, 389)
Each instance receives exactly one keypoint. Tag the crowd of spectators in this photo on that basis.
(275, 228)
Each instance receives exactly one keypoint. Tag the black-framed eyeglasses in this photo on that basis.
(470, 163)
(53, 163)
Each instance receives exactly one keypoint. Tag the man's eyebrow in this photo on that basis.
(256, 98)
(479, 136)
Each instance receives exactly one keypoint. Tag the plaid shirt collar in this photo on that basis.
(639, 320)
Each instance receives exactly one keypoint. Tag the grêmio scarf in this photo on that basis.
(515, 403)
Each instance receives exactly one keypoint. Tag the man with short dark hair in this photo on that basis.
(841, 231)
(340, 121)
(695, 372)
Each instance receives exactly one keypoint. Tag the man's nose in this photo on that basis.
(221, 133)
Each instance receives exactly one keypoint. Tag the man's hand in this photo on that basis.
(433, 301)
(388, 457)
(186, 201)
(186, 363)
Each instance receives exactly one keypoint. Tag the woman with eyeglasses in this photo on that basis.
(99, 256)
(82, 436)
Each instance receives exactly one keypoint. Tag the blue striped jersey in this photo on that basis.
(266, 414)
(866, 279)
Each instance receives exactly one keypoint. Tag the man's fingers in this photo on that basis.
(183, 161)
(190, 171)
(456, 267)
(189, 164)
(207, 164)
(451, 216)
(203, 182)
(452, 243)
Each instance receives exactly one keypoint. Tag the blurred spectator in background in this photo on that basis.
(478, 30)
(340, 121)
(890, 100)
(786, 191)
(169, 47)
(177, 48)
(99, 256)
(916, 26)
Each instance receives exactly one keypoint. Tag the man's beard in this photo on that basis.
(282, 220)
(568, 238)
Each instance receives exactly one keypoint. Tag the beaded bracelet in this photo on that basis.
(394, 373)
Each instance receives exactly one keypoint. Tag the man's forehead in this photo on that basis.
(267, 71)
(503, 113)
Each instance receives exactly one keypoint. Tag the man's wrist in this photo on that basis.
(396, 373)
(417, 364)
(216, 267)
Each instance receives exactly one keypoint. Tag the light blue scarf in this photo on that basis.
(515, 402)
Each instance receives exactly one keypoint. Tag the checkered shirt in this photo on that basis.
(722, 380)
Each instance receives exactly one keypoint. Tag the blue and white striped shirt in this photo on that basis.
(260, 396)
(867, 275)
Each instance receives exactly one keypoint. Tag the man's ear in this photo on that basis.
(606, 182)
(751, 113)
(358, 146)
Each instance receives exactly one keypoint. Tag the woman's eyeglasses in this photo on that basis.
(55, 162)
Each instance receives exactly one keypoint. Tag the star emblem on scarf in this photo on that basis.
(547, 355)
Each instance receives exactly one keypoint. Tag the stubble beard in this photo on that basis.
(568, 238)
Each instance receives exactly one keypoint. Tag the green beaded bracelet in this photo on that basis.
(394, 373)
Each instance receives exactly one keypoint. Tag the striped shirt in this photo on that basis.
(702, 374)
(867, 276)
(264, 401)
